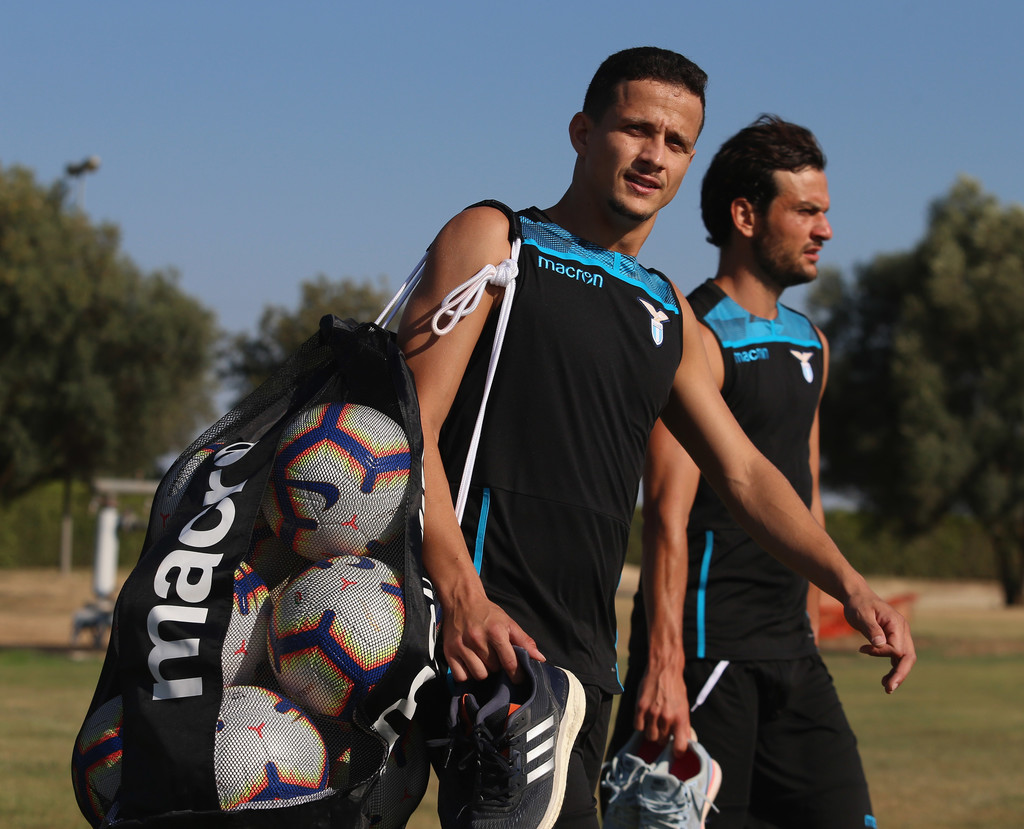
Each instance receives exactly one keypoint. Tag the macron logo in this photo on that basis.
(751, 355)
(586, 277)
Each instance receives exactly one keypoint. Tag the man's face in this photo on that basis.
(637, 154)
(788, 237)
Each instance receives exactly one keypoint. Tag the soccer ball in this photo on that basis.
(245, 643)
(334, 631)
(338, 483)
(96, 762)
(268, 555)
(266, 751)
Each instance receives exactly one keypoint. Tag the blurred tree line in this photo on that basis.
(924, 415)
(104, 369)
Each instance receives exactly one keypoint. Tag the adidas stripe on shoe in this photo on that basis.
(509, 749)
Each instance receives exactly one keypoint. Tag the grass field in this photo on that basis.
(946, 750)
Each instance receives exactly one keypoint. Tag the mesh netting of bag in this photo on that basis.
(378, 646)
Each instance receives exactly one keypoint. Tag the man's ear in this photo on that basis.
(579, 132)
(744, 216)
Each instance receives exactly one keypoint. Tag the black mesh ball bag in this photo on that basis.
(269, 645)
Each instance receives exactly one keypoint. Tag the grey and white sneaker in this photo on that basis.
(509, 748)
(679, 791)
(622, 777)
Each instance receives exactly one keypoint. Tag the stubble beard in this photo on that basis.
(620, 209)
(784, 274)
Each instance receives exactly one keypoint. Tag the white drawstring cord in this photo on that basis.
(398, 300)
(464, 300)
(711, 682)
(460, 303)
(499, 339)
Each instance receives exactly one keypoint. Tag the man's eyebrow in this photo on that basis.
(682, 138)
(671, 134)
(812, 204)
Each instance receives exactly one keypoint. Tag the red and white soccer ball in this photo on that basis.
(267, 752)
(96, 761)
(334, 632)
(245, 643)
(338, 483)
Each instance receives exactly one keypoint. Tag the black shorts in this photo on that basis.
(777, 728)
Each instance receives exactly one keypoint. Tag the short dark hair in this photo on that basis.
(641, 63)
(744, 167)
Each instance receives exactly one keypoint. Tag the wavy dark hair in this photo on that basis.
(744, 166)
(642, 63)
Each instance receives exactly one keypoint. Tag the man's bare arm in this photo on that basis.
(670, 481)
(477, 635)
(768, 508)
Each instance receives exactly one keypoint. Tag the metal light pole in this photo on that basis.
(76, 171)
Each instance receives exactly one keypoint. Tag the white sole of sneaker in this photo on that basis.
(572, 721)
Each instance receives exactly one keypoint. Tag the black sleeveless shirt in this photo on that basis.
(741, 602)
(593, 344)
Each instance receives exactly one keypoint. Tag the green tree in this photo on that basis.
(103, 368)
(925, 412)
(249, 360)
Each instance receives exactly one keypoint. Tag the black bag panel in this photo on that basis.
(172, 614)
(171, 705)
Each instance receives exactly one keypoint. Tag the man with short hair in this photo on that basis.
(763, 703)
(597, 348)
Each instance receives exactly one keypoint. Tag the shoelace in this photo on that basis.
(669, 812)
(623, 778)
(497, 769)
(623, 782)
(494, 765)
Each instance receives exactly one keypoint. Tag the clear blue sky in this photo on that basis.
(252, 145)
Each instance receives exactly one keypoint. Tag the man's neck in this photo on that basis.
(598, 225)
(748, 289)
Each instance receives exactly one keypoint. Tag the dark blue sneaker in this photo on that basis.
(509, 749)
